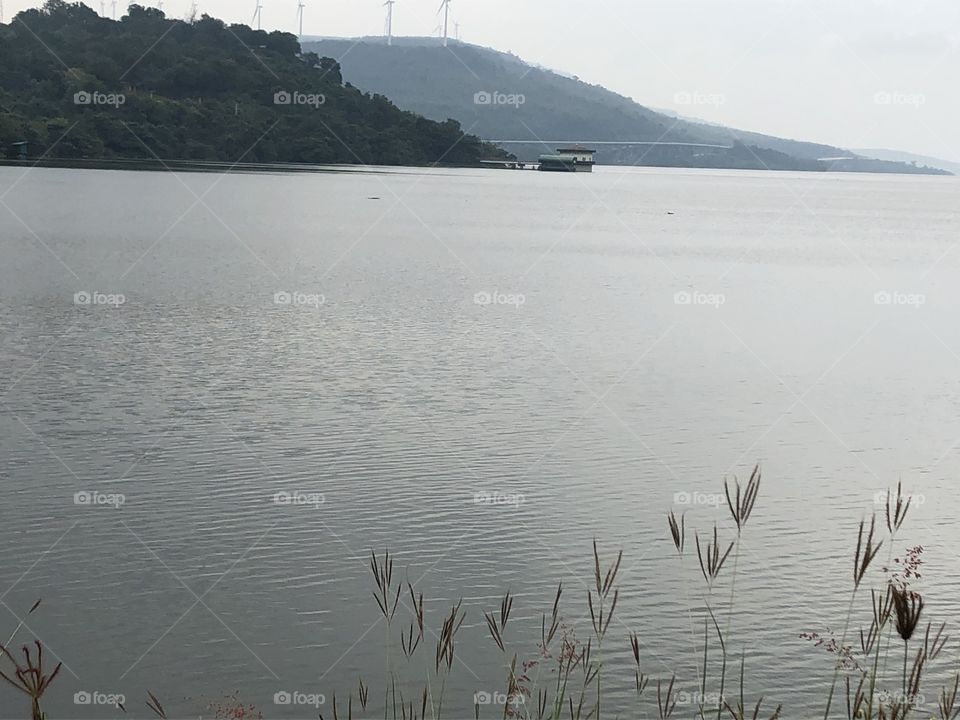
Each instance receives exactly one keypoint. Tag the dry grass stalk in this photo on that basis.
(711, 559)
(575, 715)
(740, 714)
(896, 711)
(947, 707)
(741, 504)
(336, 713)
(589, 668)
(870, 640)
(641, 680)
(603, 588)
(417, 602)
(856, 700)
(407, 711)
(865, 553)
(541, 704)
(409, 643)
(546, 636)
(882, 606)
(933, 646)
(496, 628)
(447, 642)
(364, 692)
(678, 531)
(900, 508)
(155, 706)
(912, 680)
(21, 623)
(601, 623)
(29, 678)
(600, 616)
(908, 606)
(385, 596)
(666, 701)
(513, 689)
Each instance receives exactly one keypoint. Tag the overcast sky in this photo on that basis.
(854, 73)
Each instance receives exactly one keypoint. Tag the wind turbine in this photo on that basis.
(389, 6)
(114, 3)
(445, 6)
(258, 13)
(300, 8)
(193, 11)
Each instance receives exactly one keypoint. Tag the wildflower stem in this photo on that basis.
(873, 677)
(905, 649)
(703, 681)
(843, 644)
(733, 586)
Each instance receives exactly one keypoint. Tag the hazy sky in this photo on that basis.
(854, 73)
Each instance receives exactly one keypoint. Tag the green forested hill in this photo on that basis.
(76, 85)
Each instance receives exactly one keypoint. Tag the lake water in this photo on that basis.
(482, 371)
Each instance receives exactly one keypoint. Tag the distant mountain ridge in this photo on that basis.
(498, 96)
(899, 156)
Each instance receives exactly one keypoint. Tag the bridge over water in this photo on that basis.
(588, 143)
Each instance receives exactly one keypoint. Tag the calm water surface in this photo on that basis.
(589, 351)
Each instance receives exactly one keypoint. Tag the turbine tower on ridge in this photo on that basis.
(389, 6)
(445, 6)
(258, 14)
(300, 8)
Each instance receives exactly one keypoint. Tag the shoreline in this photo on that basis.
(251, 168)
(213, 166)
